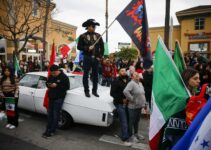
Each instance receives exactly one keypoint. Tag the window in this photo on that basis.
(35, 8)
(2, 45)
(30, 81)
(42, 83)
(202, 47)
(199, 23)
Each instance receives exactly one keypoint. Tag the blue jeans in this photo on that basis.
(54, 109)
(134, 118)
(123, 118)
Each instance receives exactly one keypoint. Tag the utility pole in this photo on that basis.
(45, 31)
(106, 22)
(167, 18)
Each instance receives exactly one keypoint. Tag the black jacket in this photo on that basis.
(63, 85)
(117, 89)
(86, 40)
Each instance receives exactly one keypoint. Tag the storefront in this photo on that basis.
(193, 31)
(32, 51)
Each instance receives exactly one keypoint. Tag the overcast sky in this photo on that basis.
(75, 12)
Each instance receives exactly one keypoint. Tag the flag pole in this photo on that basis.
(104, 32)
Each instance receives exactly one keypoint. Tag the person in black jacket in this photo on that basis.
(92, 54)
(58, 84)
(147, 82)
(120, 102)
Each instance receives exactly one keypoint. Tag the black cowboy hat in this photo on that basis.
(90, 22)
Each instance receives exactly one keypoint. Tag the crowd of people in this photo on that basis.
(130, 86)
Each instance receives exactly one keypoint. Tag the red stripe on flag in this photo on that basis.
(10, 113)
(64, 51)
(154, 143)
(52, 61)
(78, 73)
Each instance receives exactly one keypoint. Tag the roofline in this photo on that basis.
(190, 12)
(162, 27)
(65, 24)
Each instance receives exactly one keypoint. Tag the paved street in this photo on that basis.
(79, 137)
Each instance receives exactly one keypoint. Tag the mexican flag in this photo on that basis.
(16, 66)
(66, 49)
(169, 93)
(178, 58)
(10, 106)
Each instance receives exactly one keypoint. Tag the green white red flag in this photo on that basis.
(169, 93)
(66, 49)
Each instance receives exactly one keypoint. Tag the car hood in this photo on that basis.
(103, 103)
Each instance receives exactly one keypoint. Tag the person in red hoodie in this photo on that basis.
(107, 70)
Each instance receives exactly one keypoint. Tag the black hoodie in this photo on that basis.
(117, 89)
(63, 85)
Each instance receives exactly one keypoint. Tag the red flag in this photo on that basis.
(66, 49)
(52, 61)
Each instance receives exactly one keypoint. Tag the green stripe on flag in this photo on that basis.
(17, 66)
(106, 50)
(169, 91)
(178, 58)
(10, 100)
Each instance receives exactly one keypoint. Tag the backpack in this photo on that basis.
(195, 104)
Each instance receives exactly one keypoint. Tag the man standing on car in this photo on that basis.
(58, 84)
(92, 46)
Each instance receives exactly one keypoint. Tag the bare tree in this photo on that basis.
(19, 20)
(45, 25)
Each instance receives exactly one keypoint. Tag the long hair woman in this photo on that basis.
(191, 79)
(9, 89)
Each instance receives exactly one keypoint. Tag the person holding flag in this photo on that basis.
(9, 90)
(92, 45)
(57, 84)
(169, 97)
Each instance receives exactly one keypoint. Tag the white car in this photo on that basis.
(76, 109)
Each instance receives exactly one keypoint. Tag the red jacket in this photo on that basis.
(107, 70)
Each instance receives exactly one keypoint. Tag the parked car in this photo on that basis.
(77, 107)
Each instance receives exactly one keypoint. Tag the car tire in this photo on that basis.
(66, 121)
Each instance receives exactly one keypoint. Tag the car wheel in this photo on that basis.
(66, 121)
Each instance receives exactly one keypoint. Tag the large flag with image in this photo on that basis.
(198, 135)
(178, 58)
(169, 93)
(52, 61)
(134, 21)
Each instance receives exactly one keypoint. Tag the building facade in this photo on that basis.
(58, 32)
(193, 33)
